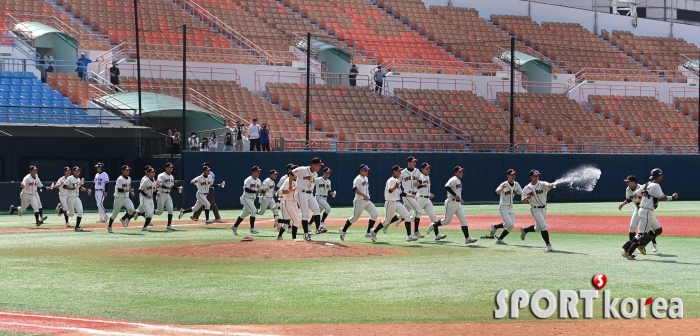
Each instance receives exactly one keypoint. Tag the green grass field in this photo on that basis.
(64, 272)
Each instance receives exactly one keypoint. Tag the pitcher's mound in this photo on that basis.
(268, 250)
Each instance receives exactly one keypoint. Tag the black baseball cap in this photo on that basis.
(326, 169)
(363, 167)
(33, 168)
(395, 168)
(631, 178)
(457, 169)
(290, 166)
(65, 169)
(125, 167)
(206, 164)
(150, 170)
(168, 165)
(273, 172)
(99, 165)
(255, 169)
(534, 172)
(656, 172)
(294, 167)
(316, 161)
(411, 159)
(75, 168)
(511, 171)
(147, 167)
(425, 165)
(206, 168)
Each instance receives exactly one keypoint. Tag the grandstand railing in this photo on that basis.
(43, 115)
(392, 83)
(587, 90)
(627, 75)
(446, 67)
(175, 71)
(683, 92)
(262, 77)
(493, 88)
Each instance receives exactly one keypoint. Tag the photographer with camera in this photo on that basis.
(228, 142)
(193, 141)
(265, 138)
(238, 136)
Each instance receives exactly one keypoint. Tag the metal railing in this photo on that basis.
(175, 72)
(40, 115)
(628, 75)
(587, 90)
(262, 77)
(392, 83)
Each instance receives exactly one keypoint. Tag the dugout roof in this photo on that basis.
(34, 30)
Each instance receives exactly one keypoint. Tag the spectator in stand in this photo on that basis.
(265, 138)
(176, 141)
(205, 145)
(47, 65)
(228, 142)
(114, 77)
(353, 75)
(213, 142)
(254, 135)
(82, 67)
(194, 142)
(379, 79)
(239, 136)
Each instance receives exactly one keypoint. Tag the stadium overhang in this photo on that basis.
(35, 30)
(321, 47)
(692, 65)
(523, 58)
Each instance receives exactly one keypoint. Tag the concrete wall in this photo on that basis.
(484, 86)
(665, 91)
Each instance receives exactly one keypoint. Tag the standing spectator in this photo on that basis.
(47, 64)
(194, 142)
(114, 77)
(176, 142)
(265, 138)
(82, 67)
(254, 135)
(353, 75)
(228, 142)
(213, 142)
(239, 136)
(379, 79)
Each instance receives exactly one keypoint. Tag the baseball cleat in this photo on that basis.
(209, 221)
(39, 223)
(549, 248)
(418, 235)
(219, 221)
(628, 256)
(318, 231)
(145, 228)
(430, 228)
(78, 229)
(150, 224)
(342, 235)
(254, 231)
(136, 215)
(440, 236)
(170, 228)
(642, 249)
(492, 233)
(307, 237)
(194, 219)
(12, 209)
(234, 229)
(58, 210)
(368, 235)
(124, 222)
(384, 229)
(182, 213)
(469, 240)
(488, 237)
(109, 230)
(280, 238)
(373, 236)
(522, 233)
(411, 238)
(43, 218)
(68, 225)
(500, 242)
(656, 248)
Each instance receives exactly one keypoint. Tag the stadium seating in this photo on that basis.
(688, 106)
(650, 120)
(24, 99)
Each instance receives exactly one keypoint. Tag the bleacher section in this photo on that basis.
(24, 99)
(688, 106)
(75, 90)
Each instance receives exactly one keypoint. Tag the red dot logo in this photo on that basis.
(599, 281)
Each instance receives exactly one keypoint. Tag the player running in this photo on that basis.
(252, 187)
(392, 204)
(74, 185)
(166, 183)
(536, 194)
(306, 177)
(360, 185)
(633, 194)
(323, 191)
(100, 184)
(410, 177)
(425, 197)
(147, 190)
(267, 198)
(63, 195)
(284, 221)
(507, 191)
(453, 205)
(290, 209)
(31, 184)
(122, 191)
(203, 183)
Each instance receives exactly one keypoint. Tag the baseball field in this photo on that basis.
(201, 279)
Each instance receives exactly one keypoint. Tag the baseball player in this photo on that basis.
(211, 197)
(140, 210)
(203, 183)
(507, 191)
(63, 195)
(633, 194)
(453, 205)
(323, 191)
(392, 203)
(409, 183)
(424, 199)
(31, 184)
(536, 194)
(290, 207)
(649, 226)
(252, 187)
(74, 185)
(100, 185)
(360, 186)
(122, 191)
(147, 189)
(284, 221)
(306, 178)
(267, 198)
(166, 183)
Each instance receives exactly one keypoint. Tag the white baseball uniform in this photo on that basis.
(248, 198)
(101, 180)
(650, 200)
(62, 192)
(164, 200)
(323, 188)
(290, 207)
(361, 183)
(305, 189)
(452, 205)
(121, 198)
(634, 197)
(280, 183)
(392, 201)
(30, 193)
(203, 184)
(409, 181)
(148, 187)
(505, 205)
(75, 205)
(140, 208)
(424, 201)
(267, 199)
(538, 202)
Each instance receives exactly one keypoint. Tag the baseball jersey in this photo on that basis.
(101, 180)
(409, 179)
(122, 183)
(280, 183)
(651, 195)
(165, 180)
(73, 181)
(148, 186)
(425, 181)
(268, 186)
(252, 184)
(290, 197)
(361, 183)
(305, 178)
(392, 195)
(634, 196)
(538, 192)
(31, 184)
(203, 183)
(323, 187)
(455, 184)
(59, 185)
(509, 192)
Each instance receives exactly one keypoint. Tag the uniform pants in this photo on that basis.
(453, 208)
(27, 200)
(201, 202)
(508, 216)
(358, 206)
(426, 205)
(75, 206)
(395, 207)
(64, 201)
(647, 221)
(284, 215)
(211, 197)
(540, 216)
(308, 202)
(323, 203)
(148, 206)
(248, 207)
(120, 202)
(634, 221)
(99, 198)
(411, 204)
(164, 201)
(289, 211)
(268, 203)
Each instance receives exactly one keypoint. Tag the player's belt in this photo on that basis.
(424, 196)
(305, 191)
(412, 192)
(540, 207)
(100, 190)
(393, 201)
(321, 196)
(164, 192)
(203, 193)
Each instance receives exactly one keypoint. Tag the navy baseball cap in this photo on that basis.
(326, 169)
(206, 168)
(273, 172)
(206, 164)
(33, 168)
(255, 169)
(425, 165)
(395, 168)
(65, 169)
(150, 170)
(316, 161)
(363, 167)
(631, 178)
(411, 159)
(534, 172)
(290, 166)
(125, 167)
(457, 169)
(147, 167)
(511, 172)
(656, 172)
(75, 168)
(99, 165)
(168, 165)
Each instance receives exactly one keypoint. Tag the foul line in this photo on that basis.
(86, 330)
